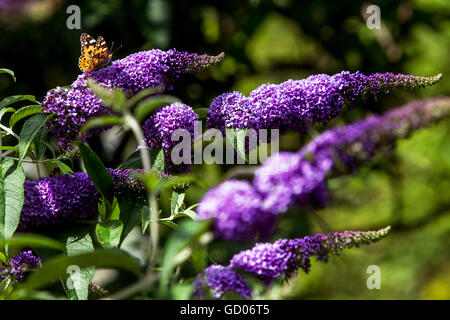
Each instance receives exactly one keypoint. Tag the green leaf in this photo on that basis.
(3, 258)
(168, 223)
(77, 287)
(13, 99)
(133, 161)
(9, 148)
(110, 97)
(101, 122)
(30, 129)
(188, 213)
(7, 71)
(5, 110)
(109, 233)
(32, 241)
(153, 182)
(146, 107)
(108, 211)
(176, 202)
(157, 160)
(237, 138)
(145, 218)
(23, 113)
(143, 94)
(40, 143)
(57, 267)
(64, 168)
(131, 206)
(12, 179)
(97, 171)
(182, 291)
(201, 112)
(186, 234)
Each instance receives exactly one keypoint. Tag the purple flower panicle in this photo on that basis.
(127, 179)
(296, 104)
(58, 200)
(158, 130)
(235, 207)
(284, 257)
(159, 127)
(18, 265)
(146, 69)
(268, 261)
(61, 200)
(289, 178)
(286, 179)
(218, 280)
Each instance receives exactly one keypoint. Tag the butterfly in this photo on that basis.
(94, 53)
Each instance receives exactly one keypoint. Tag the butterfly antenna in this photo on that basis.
(116, 48)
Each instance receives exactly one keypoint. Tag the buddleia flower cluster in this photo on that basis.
(142, 70)
(284, 257)
(300, 178)
(218, 280)
(19, 265)
(295, 105)
(236, 208)
(342, 150)
(128, 179)
(160, 126)
(56, 201)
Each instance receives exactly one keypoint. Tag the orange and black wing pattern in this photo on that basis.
(94, 53)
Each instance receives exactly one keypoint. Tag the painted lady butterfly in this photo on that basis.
(94, 53)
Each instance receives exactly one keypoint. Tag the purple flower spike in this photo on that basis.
(218, 280)
(296, 104)
(147, 69)
(235, 207)
(127, 179)
(300, 178)
(158, 130)
(159, 127)
(268, 261)
(19, 265)
(57, 201)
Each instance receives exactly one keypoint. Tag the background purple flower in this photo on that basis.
(286, 179)
(218, 280)
(289, 178)
(284, 257)
(18, 265)
(268, 261)
(235, 207)
(127, 179)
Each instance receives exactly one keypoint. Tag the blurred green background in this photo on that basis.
(272, 41)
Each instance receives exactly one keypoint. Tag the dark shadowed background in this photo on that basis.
(273, 41)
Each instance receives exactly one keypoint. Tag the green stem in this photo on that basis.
(152, 201)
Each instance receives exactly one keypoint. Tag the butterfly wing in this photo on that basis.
(94, 53)
(102, 55)
(88, 47)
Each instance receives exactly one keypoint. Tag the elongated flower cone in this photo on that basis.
(296, 104)
(267, 261)
(300, 178)
(142, 70)
(18, 266)
(51, 202)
